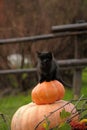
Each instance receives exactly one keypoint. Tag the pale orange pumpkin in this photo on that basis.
(47, 92)
(27, 117)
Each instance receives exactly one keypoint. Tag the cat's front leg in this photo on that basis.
(41, 78)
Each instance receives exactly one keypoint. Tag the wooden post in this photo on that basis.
(77, 77)
(77, 83)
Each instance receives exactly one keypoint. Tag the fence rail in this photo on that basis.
(16, 71)
(64, 64)
(70, 27)
(40, 37)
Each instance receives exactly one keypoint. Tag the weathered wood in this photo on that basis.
(17, 71)
(77, 83)
(73, 62)
(40, 37)
(77, 76)
(70, 27)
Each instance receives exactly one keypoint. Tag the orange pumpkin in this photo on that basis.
(48, 92)
(27, 117)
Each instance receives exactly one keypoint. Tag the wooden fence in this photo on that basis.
(76, 30)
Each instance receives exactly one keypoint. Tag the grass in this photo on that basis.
(9, 104)
(84, 82)
(69, 94)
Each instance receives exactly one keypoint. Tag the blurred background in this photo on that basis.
(25, 18)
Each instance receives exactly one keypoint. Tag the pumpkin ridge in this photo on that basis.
(61, 90)
(47, 92)
(55, 88)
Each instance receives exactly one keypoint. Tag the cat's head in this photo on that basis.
(44, 57)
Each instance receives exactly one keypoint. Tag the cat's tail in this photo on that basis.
(64, 83)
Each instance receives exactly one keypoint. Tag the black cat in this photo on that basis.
(48, 68)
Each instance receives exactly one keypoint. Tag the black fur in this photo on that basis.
(48, 68)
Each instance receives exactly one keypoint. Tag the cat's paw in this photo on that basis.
(41, 80)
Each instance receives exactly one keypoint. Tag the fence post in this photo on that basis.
(77, 76)
(77, 83)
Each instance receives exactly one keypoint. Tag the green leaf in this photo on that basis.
(46, 124)
(64, 114)
(64, 126)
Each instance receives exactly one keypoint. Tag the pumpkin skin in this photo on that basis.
(28, 116)
(47, 92)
